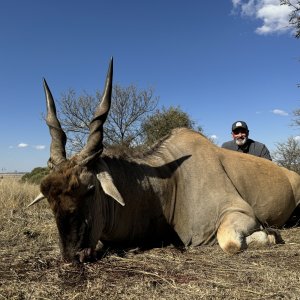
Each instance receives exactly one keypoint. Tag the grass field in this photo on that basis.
(31, 268)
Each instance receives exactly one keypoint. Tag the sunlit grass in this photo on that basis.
(31, 266)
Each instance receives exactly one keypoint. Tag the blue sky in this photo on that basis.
(220, 61)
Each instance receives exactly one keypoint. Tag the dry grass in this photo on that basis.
(30, 265)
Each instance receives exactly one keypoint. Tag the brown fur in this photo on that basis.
(185, 186)
(63, 188)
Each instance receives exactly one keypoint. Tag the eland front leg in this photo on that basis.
(239, 231)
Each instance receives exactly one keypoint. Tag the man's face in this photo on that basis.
(240, 135)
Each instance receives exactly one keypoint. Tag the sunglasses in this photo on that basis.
(240, 130)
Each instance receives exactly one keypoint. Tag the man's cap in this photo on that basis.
(239, 124)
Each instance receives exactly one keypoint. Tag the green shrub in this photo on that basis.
(36, 175)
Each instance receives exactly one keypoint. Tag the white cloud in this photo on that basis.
(274, 17)
(22, 145)
(214, 137)
(40, 147)
(279, 112)
(236, 3)
(297, 138)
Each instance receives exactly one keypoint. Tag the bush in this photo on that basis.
(163, 121)
(36, 175)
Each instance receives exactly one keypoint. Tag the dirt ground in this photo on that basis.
(31, 267)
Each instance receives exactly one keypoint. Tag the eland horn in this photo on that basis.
(94, 143)
(58, 142)
(37, 199)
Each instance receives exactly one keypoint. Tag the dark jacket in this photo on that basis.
(251, 147)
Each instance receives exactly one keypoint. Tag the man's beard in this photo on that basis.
(241, 141)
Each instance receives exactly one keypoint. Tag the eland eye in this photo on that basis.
(90, 189)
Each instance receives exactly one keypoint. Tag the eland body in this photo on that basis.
(185, 189)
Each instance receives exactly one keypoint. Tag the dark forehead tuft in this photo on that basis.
(66, 177)
(53, 184)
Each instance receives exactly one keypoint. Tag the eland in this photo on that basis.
(184, 189)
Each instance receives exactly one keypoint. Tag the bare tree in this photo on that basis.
(287, 154)
(75, 114)
(129, 109)
(296, 120)
(294, 15)
(295, 22)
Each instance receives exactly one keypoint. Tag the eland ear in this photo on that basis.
(109, 187)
